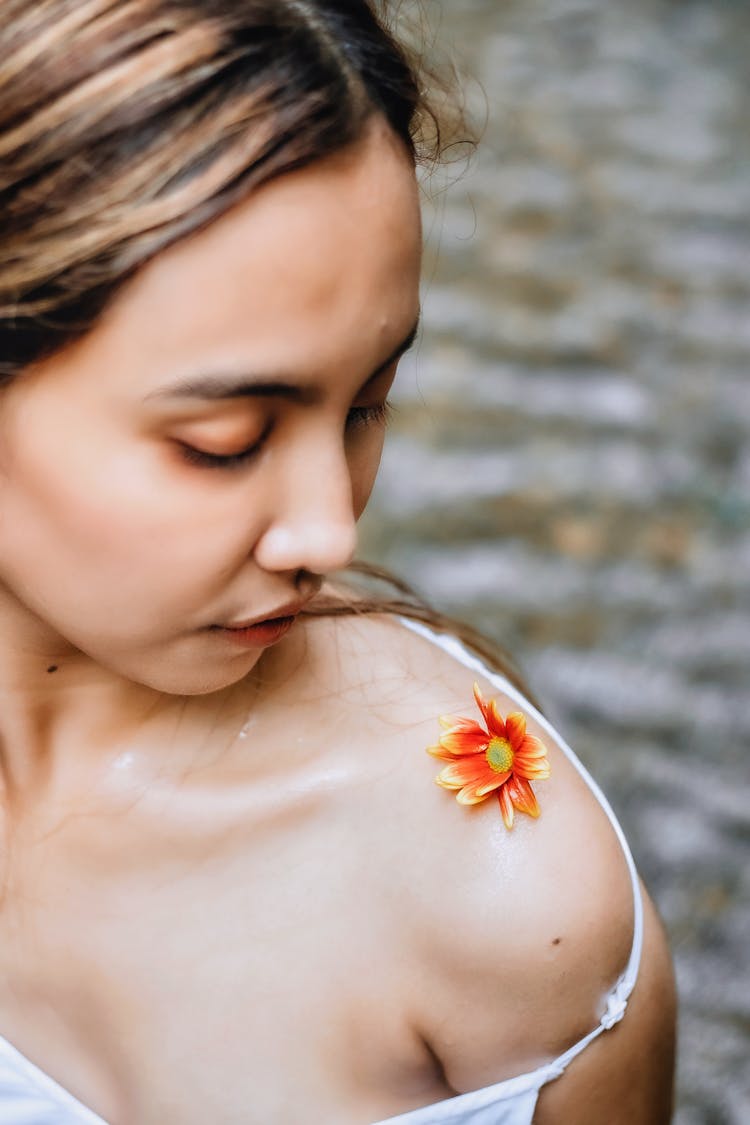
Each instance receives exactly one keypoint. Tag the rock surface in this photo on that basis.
(569, 465)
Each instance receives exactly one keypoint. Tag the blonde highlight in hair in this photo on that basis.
(127, 124)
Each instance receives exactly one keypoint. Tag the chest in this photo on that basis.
(239, 975)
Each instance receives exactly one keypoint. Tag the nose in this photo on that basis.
(312, 525)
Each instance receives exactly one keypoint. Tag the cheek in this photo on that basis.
(110, 524)
(94, 512)
(364, 463)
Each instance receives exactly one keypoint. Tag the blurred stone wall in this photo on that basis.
(569, 465)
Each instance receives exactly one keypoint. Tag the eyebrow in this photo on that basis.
(218, 386)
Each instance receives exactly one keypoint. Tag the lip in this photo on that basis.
(259, 635)
(293, 609)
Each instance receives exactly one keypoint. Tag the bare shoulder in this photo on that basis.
(626, 1076)
(520, 935)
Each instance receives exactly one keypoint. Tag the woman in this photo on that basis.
(231, 890)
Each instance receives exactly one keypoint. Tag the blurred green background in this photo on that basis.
(569, 463)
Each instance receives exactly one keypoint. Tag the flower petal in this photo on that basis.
(458, 722)
(438, 752)
(492, 783)
(465, 771)
(523, 796)
(480, 701)
(506, 806)
(532, 747)
(465, 740)
(460, 744)
(490, 713)
(532, 771)
(447, 784)
(495, 721)
(470, 795)
(515, 724)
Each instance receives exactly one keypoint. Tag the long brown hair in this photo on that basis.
(362, 596)
(126, 125)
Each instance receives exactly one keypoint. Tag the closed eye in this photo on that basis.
(236, 460)
(357, 418)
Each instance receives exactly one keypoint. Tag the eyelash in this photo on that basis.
(358, 417)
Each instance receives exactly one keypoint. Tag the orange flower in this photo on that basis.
(502, 759)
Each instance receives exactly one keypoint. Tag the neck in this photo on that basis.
(64, 718)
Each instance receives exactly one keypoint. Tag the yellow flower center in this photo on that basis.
(499, 755)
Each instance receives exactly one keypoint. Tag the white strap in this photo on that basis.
(618, 997)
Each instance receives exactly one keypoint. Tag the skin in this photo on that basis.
(207, 914)
(116, 554)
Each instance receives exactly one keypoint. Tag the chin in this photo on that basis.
(183, 675)
(195, 681)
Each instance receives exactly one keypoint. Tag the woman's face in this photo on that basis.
(202, 456)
